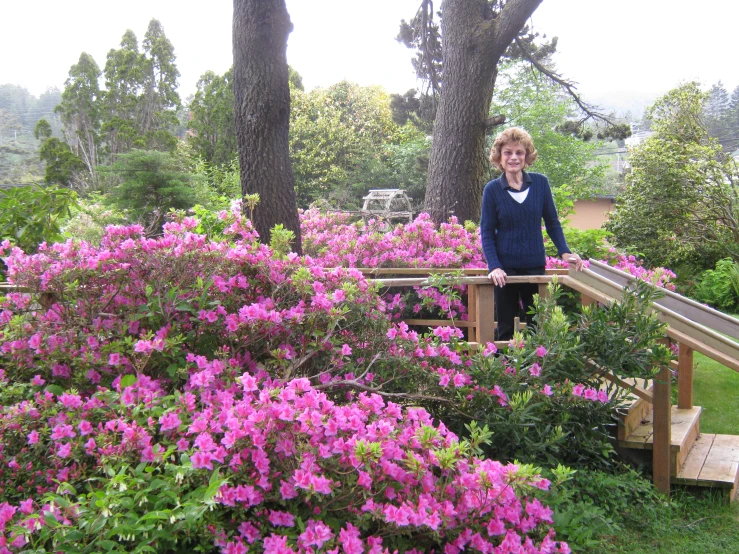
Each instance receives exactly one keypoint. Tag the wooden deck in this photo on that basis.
(712, 462)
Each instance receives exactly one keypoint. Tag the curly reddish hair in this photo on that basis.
(512, 136)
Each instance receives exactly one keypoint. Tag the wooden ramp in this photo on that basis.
(695, 458)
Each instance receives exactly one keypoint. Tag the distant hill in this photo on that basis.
(622, 103)
(19, 149)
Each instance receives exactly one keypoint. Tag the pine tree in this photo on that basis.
(80, 110)
(716, 113)
(159, 101)
(124, 77)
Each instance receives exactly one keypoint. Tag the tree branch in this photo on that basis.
(494, 121)
(568, 86)
(400, 395)
(511, 20)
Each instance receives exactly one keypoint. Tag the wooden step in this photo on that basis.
(685, 429)
(712, 462)
(633, 410)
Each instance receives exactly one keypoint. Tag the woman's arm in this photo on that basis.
(554, 229)
(488, 224)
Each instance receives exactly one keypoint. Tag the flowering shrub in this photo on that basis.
(185, 394)
(276, 464)
(181, 394)
(332, 239)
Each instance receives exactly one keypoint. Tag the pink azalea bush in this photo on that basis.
(180, 393)
(335, 240)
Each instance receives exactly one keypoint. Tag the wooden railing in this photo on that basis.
(692, 326)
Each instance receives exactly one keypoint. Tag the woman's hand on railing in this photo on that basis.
(573, 259)
(497, 276)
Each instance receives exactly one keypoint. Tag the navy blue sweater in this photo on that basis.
(511, 232)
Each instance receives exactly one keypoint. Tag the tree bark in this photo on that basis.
(262, 109)
(473, 41)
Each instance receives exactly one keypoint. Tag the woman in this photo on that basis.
(513, 206)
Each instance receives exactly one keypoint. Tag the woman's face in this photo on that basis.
(513, 157)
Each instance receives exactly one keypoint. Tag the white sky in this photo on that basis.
(624, 48)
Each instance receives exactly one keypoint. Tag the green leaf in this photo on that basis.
(127, 381)
(55, 389)
(50, 520)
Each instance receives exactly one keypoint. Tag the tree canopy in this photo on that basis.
(681, 204)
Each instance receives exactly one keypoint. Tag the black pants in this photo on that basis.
(513, 301)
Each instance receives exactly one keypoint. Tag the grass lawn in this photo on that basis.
(692, 524)
(716, 390)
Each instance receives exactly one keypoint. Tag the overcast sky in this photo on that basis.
(625, 48)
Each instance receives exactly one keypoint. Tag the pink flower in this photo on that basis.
(490, 349)
(350, 541)
(114, 359)
(169, 421)
(276, 544)
(143, 346)
(202, 460)
(37, 380)
(62, 431)
(71, 401)
(577, 390)
(316, 534)
(346, 350)
(541, 351)
(535, 370)
(547, 390)
(26, 506)
(64, 450)
(282, 519)
(591, 394)
(603, 396)
(85, 427)
(33, 437)
(235, 548)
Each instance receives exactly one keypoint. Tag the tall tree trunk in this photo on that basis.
(472, 45)
(262, 108)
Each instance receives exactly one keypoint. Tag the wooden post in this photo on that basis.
(485, 314)
(662, 431)
(473, 331)
(684, 377)
(543, 290)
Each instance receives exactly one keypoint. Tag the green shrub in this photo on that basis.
(593, 505)
(31, 215)
(720, 287)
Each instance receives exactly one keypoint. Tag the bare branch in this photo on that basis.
(399, 395)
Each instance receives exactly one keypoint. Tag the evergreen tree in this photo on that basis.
(42, 131)
(62, 166)
(124, 78)
(212, 118)
(681, 204)
(151, 184)
(159, 101)
(716, 113)
(80, 110)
